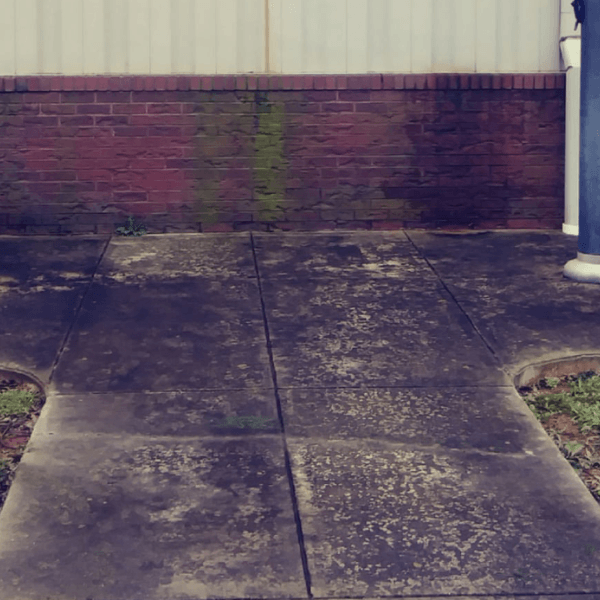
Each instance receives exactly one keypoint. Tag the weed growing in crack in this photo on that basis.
(131, 229)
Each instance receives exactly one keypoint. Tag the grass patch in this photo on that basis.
(16, 402)
(582, 402)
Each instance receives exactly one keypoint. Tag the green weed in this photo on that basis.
(583, 401)
(131, 229)
(16, 402)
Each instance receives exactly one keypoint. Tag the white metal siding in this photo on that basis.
(87, 37)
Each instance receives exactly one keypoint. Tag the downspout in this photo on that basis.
(586, 267)
(570, 47)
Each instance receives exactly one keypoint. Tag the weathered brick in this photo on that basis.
(89, 109)
(337, 151)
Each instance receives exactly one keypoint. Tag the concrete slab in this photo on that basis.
(146, 518)
(513, 289)
(42, 283)
(278, 416)
(343, 333)
(219, 344)
(387, 254)
(386, 520)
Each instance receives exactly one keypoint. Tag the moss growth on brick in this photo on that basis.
(270, 163)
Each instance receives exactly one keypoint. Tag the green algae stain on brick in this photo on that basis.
(206, 202)
(266, 158)
(269, 170)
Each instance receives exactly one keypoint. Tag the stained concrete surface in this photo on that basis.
(328, 415)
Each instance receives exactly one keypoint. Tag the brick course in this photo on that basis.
(78, 155)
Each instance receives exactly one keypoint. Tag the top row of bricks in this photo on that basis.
(139, 83)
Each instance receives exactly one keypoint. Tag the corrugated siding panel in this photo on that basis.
(414, 36)
(304, 36)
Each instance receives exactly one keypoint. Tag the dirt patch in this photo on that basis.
(16, 429)
(568, 408)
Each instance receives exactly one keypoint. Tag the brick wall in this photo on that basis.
(80, 154)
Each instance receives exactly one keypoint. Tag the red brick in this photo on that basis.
(275, 82)
(78, 121)
(131, 131)
(376, 82)
(420, 82)
(65, 83)
(57, 109)
(78, 84)
(33, 82)
(75, 97)
(410, 82)
(539, 81)
(87, 109)
(110, 121)
(126, 83)
(102, 84)
(320, 154)
(330, 83)
(319, 82)
(308, 82)
(341, 82)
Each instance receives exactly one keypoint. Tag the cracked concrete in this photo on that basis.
(328, 415)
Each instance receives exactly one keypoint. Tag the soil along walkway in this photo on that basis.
(20, 404)
(569, 410)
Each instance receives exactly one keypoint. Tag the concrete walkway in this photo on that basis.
(327, 415)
